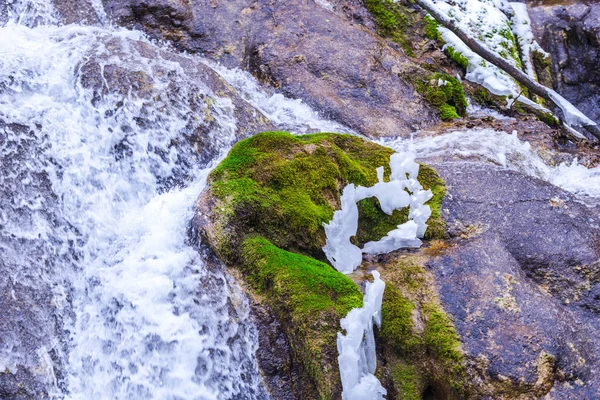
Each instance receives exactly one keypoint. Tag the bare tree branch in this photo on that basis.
(499, 62)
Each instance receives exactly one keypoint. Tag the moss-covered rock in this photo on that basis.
(419, 341)
(392, 20)
(263, 213)
(443, 91)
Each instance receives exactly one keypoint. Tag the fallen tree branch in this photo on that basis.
(535, 87)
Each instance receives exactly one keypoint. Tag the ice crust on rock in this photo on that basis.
(357, 357)
(342, 254)
(403, 190)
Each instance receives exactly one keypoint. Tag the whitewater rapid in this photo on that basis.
(97, 195)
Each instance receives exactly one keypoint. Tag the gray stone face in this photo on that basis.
(521, 283)
(332, 62)
(571, 34)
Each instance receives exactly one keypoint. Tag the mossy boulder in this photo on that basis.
(263, 213)
(419, 345)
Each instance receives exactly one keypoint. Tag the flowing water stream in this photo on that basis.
(98, 188)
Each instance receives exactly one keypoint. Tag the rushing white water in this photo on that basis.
(506, 150)
(290, 114)
(150, 320)
(98, 188)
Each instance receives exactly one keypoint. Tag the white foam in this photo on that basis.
(150, 320)
(508, 151)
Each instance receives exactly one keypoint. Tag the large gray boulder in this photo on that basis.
(521, 282)
(336, 65)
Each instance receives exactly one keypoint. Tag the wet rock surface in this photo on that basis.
(32, 313)
(113, 75)
(77, 12)
(520, 282)
(306, 51)
(571, 33)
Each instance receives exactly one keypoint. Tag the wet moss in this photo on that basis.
(269, 199)
(432, 28)
(457, 57)
(397, 328)
(285, 187)
(308, 297)
(548, 118)
(307, 285)
(448, 112)
(509, 45)
(407, 381)
(417, 331)
(392, 20)
(444, 92)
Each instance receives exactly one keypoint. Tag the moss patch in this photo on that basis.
(416, 331)
(285, 187)
(444, 92)
(268, 201)
(431, 28)
(307, 285)
(308, 298)
(392, 20)
(407, 381)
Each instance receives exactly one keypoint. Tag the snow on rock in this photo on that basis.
(521, 28)
(403, 190)
(357, 358)
(572, 116)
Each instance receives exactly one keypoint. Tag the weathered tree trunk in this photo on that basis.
(490, 56)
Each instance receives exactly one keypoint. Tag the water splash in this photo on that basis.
(506, 150)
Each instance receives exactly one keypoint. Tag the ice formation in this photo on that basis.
(357, 358)
(403, 190)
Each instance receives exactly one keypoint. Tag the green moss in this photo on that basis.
(457, 57)
(410, 296)
(391, 20)
(397, 329)
(407, 381)
(511, 50)
(443, 341)
(308, 297)
(270, 198)
(548, 118)
(430, 179)
(432, 28)
(448, 112)
(287, 186)
(305, 285)
(449, 97)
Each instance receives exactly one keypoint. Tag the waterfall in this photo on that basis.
(98, 187)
